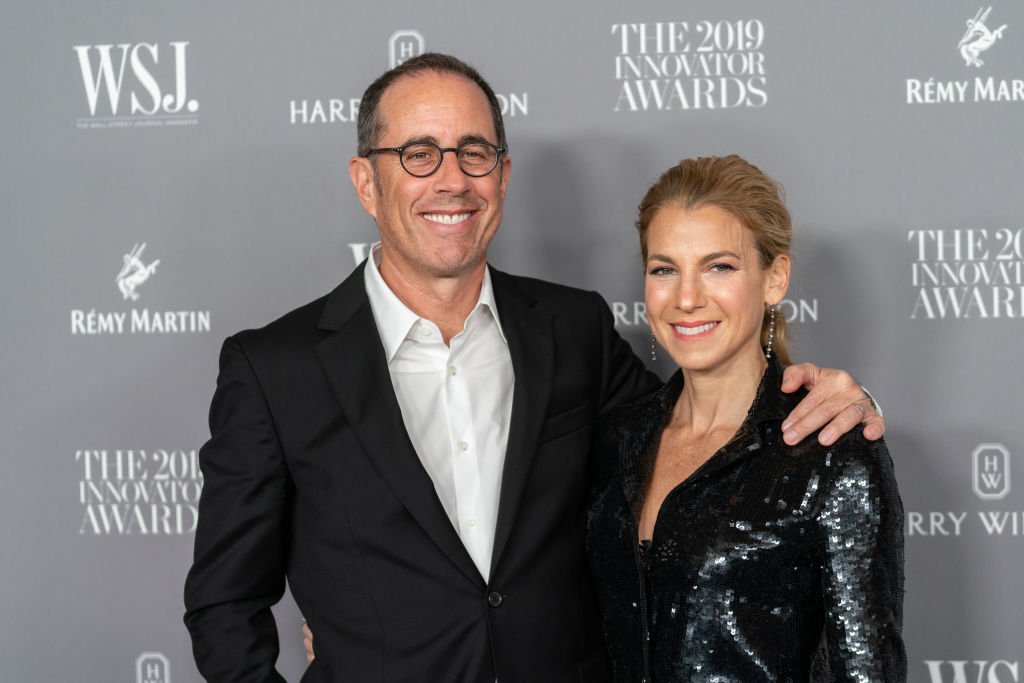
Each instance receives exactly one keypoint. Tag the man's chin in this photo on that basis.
(455, 269)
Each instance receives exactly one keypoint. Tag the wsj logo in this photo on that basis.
(404, 45)
(104, 78)
(991, 480)
(152, 667)
(1000, 671)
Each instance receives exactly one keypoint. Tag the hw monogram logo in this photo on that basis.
(991, 480)
(152, 667)
(405, 45)
(1000, 671)
(103, 71)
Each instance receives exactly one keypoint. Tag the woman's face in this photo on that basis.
(705, 287)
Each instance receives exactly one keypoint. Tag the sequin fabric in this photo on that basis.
(769, 563)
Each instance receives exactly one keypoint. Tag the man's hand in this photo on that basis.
(307, 641)
(834, 398)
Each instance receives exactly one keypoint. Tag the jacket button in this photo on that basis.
(494, 599)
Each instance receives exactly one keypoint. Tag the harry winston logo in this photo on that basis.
(990, 481)
(978, 38)
(405, 45)
(152, 667)
(991, 471)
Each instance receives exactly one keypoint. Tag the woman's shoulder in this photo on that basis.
(623, 435)
(857, 479)
(852, 449)
(850, 466)
(643, 413)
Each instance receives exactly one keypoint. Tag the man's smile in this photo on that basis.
(447, 218)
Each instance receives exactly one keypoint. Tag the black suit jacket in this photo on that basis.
(310, 475)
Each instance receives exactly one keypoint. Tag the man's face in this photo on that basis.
(438, 226)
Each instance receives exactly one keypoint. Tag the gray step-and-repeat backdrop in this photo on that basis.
(174, 172)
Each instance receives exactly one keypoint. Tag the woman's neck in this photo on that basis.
(718, 398)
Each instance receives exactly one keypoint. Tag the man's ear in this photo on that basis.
(360, 170)
(504, 168)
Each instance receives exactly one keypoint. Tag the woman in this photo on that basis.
(719, 552)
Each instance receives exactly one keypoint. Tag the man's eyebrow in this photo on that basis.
(420, 140)
(474, 139)
(470, 139)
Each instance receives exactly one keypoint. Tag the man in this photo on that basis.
(410, 450)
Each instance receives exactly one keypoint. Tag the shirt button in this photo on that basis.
(425, 331)
(451, 370)
(472, 523)
(463, 446)
(494, 599)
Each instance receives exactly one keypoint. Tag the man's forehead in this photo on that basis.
(431, 79)
(458, 94)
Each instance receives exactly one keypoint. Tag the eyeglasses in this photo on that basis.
(422, 159)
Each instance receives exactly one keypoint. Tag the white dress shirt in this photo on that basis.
(456, 403)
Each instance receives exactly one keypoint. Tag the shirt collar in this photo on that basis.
(395, 321)
(643, 421)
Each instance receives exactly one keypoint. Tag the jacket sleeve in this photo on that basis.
(862, 533)
(238, 570)
(623, 375)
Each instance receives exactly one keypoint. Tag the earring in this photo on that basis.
(654, 348)
(771, 331)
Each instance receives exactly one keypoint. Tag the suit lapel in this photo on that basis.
(531, 346)
(356, 367)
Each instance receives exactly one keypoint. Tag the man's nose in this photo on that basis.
(449, 175)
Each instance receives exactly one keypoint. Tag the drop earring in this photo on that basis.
(771, 331)
(654, 348)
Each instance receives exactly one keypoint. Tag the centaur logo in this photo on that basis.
(134, 272)
(103, 73)
(1000, 671)
(978, 38)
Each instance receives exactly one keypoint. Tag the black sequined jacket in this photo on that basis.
(769, 563)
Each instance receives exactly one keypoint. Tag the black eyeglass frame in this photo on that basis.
(498, 152)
